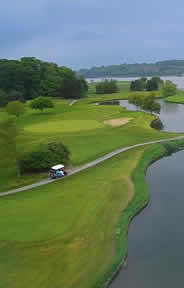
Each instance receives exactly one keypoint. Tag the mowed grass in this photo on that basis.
(81, 128)
(178, 98)
(72, 233)
(61, 126)
(67, 234)
(64, 234)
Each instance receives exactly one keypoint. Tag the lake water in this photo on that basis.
(156, 236)
(171, 115)
(179, 81)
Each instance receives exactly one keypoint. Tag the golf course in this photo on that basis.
(72, 233)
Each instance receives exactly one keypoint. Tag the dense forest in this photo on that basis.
(29, 78)
(163, 68)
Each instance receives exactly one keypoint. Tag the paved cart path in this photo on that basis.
(88, 165)
(73, 102)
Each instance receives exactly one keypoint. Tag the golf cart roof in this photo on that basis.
(57, 167)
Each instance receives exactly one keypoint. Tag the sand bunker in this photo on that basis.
(117, 122)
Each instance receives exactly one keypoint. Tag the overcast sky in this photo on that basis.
(84, 33)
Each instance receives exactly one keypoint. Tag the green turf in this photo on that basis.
(178, 98)
(73, 232)
(57, 235)
(66, 234)
(64, 126)
(81, 128)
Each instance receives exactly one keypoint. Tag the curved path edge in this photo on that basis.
(88, 165)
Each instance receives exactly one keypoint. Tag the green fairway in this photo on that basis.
(57, 235)
(81, 128)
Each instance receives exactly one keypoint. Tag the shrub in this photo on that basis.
(44, 157)
(41, 103)
(138, 85)
(15, 108)
(168, 89)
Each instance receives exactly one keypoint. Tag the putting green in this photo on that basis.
(58, 126)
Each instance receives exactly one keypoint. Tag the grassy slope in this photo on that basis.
(65, 234)
(81, 127)
(178, 98)
(58, 235)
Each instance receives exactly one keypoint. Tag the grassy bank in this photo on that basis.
(178, 98)
(140, 200)
(73, 233)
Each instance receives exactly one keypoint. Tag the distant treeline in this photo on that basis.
(163, 68)
(29, 78)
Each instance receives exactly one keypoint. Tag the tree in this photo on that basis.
(30, 77)
(44, 157)
(145, 102)
(138, 85)
(168, 89)
(73, 87)
(136, 98)
(154, 84)
(15, 108)
(41, 103)
(51, 80)
(3, 98)
(107, 87)
(14, 95)
(149, 104)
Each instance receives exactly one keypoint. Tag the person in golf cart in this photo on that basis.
(57, 171)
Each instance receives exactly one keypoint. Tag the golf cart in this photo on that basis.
(57, 171)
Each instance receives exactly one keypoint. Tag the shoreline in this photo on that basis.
(158, 151)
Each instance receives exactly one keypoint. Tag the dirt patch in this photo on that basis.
(130, 185)
(117, 122)
(77, 243)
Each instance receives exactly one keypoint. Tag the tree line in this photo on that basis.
(107, 87)
(167, 88)
(161, 68)
(144, 84)
(29, 77)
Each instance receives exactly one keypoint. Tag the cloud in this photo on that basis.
(82, 33)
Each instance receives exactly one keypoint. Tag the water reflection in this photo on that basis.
(171, 114)
(156, 236)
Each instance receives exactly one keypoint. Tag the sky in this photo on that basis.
(85, 33)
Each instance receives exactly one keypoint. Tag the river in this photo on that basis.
(156, 237)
